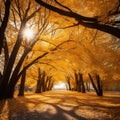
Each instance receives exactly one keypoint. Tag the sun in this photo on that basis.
(28, 33)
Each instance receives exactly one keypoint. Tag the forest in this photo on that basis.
(56, 44)
(56, 54)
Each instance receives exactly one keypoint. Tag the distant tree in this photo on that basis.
(44, 83)
(68, 82)
(97, 85)
(79, 83)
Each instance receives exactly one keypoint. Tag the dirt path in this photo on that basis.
(61, 105)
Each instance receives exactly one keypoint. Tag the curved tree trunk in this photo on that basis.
(4, 23)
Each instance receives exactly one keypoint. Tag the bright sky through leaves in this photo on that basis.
(28, 33)
(60, 86)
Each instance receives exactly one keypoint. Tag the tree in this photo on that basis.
(22, 84)
(11, 69)
(22, 16)
(75, 48)
(79, 83)
(98, 51)
(98, 86)
(3, 26)
(44, 82)
(68, 82)
(90, 22)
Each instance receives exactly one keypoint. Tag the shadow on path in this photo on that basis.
(60, 105)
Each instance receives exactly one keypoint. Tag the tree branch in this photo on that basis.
(4, 23)
(85, 21)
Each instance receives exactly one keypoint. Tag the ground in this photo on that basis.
(62, 105)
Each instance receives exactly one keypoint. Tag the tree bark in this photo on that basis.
(93, 84)
(98, 88)
(38, 86)
(7, 71)
(77, 84)
(22, 85)
(99, 85)
(82, 83)
(4, 23)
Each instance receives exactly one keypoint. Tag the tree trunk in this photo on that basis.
(7, 71)
(99, 85)
(38, 86)
(77, 82)
(43, 81)
(4, 23)
(82, 83)
(93, 84)
(68, 81)
(98, 88)
(22, 85)
(9, 92)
